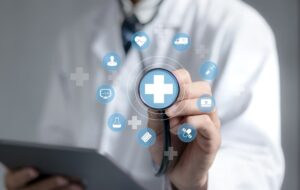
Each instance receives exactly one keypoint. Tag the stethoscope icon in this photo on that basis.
(159, 89)
(187, 133)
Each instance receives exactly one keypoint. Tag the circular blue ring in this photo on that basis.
(206, 109)
(117, 122)
(105, 94)
(141, 132)
(185, 137)
(146, 99)
(107, 58)
(179, 40)
(208, 71)
(140, 34)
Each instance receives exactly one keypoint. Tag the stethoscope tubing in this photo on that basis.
(167, 143)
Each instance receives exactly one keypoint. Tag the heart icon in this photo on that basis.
(140, 40)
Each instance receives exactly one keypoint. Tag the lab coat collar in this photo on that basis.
(173, 16)
(146, 9)
(108, 32)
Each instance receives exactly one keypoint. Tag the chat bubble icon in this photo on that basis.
(105, 93)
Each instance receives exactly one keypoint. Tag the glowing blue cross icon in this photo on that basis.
(159, 89)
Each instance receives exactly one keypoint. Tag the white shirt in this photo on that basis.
(247, 90)
(145, 10)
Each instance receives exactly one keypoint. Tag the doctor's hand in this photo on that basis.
(190, 169)
(20, 180)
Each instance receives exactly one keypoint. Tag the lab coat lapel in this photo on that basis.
(124, 86)
(110, 41)
(109, 37)
(163, 29)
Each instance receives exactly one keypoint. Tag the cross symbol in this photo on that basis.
(159, 89)
(202, 51)
(134, 122)
(171, 153)
(79, 76)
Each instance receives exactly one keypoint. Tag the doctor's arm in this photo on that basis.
(248, 104)
(248, 98)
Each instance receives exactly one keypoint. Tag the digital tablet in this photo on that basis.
(94, 171)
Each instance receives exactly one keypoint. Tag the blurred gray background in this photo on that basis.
(28, 32)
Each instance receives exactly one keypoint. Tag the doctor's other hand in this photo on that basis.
(189, 170)
(22, 180)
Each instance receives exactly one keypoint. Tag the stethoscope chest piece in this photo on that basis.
(158, 89)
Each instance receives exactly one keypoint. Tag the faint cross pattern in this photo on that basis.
(171, 153)
(201, 51)
(134, 122)
(79, 77)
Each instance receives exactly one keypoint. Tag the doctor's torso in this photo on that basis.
(72, 114)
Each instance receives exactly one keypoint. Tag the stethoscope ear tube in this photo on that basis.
(167, 143)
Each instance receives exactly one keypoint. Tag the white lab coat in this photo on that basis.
(247, 90)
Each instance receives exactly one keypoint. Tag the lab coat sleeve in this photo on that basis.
(55, 122)
(248, 98)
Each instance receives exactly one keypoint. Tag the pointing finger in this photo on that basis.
(183, 76)
(194, 90)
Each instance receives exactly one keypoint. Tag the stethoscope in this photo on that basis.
(166, 123)
(161, 111)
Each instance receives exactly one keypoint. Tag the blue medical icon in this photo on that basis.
(206, 103)
(181, 41)
(208, 71)
(186, 133)
(105, 94)
(111, 62)
(140, 40)
(117, 122)
(146, 137)
(158, 89)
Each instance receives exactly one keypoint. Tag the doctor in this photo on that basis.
(246, 91)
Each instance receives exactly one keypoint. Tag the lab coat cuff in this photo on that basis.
(2, 176)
